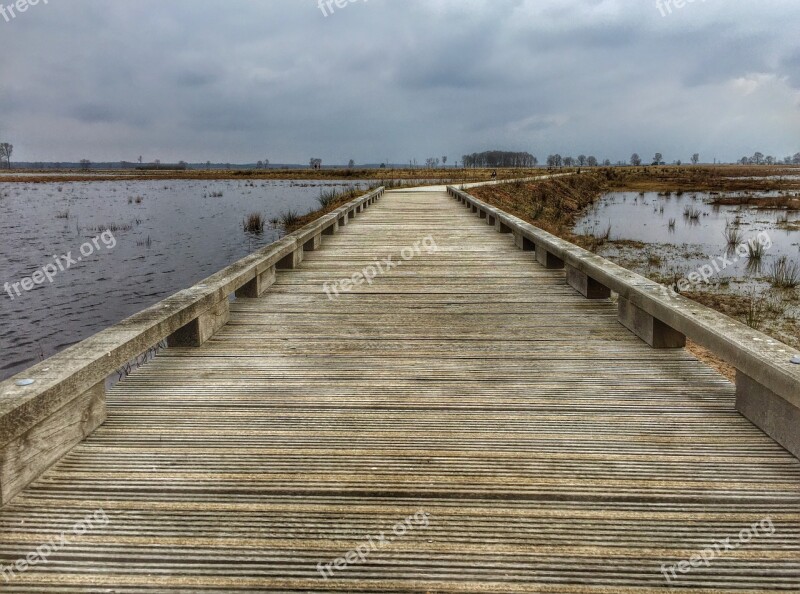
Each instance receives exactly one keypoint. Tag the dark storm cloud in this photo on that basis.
(247, 79)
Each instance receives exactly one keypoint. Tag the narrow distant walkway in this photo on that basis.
(551, 450)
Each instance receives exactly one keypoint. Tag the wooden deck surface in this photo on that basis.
(551, 450)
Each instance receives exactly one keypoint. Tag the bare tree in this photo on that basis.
(582, 160)
(260, 165)
(266, 163)
(6, 150)
(636, 160)
(351, 164)
(444, 161)
(432, 162)
(569, 162)
(758, 158)
(695, 158)
(315, 164)
(86, 164)
(658, 159)
(796, 159)
(591, 161)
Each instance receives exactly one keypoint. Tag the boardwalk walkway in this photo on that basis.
(543, 447)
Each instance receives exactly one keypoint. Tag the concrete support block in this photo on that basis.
(482, 214)
(474, 210)
(313, 244)
(291, 261)
(343, 221)
(351, 214)
(258, 286)
(523, 243)
(586, 286)
(491, 220)
(27, 456)
(769, 412)
(501, 227)
(331, 229)
(359, 209)
(199, 330)
(548, 260)
(651, 330)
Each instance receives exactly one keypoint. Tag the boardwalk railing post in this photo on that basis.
(313, 244)
(291, 260)
(258, 286)
(777, 417)
(586, 285)
(29, 454)
(651, 330)
(501, 227)
(332, 229)
(522, 242)
(198, 331)
(548, 259)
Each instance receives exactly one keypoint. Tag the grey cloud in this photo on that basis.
(238, 80)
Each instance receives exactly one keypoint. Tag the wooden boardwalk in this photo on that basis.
(550, 449)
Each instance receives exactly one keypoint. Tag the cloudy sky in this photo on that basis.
(243, 80)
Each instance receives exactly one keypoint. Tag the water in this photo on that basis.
(691, 242)
(169, 235)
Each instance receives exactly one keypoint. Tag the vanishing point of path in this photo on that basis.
(546, 447)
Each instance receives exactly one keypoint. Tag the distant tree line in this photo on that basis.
(759, 159)
(499, 159)
(579, 161)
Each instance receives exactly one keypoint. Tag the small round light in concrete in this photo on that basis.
(25, 382)
(796, 360)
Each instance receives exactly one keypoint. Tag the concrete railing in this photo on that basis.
(48, 409)
(768, 381)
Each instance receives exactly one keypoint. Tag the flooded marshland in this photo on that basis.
(165, 236)
(686, 231)
(668, 236)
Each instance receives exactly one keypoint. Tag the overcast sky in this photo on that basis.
(243, 80)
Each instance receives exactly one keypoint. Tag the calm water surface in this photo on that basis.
(169, 235)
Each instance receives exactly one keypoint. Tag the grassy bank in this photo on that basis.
(553, 204)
